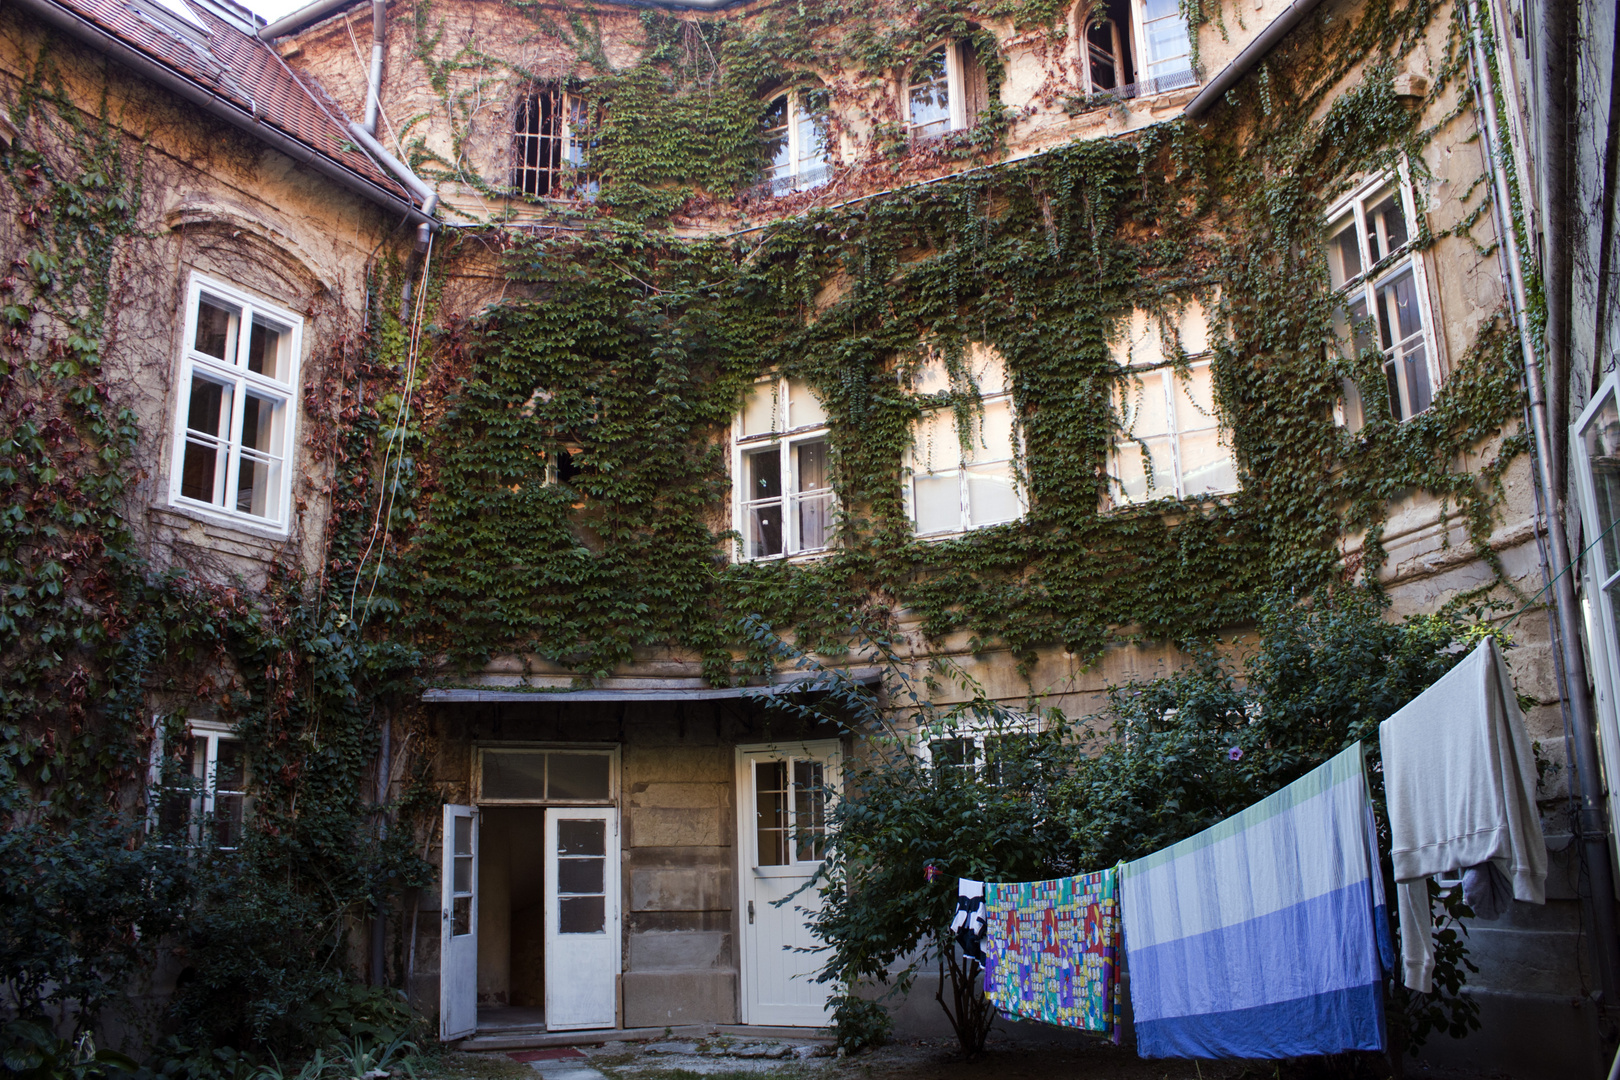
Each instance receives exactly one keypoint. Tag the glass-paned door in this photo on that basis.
(785, 792)
(1597, 483)
(458, 936)
(582, 918)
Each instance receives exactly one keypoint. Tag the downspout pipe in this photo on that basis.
(1251, 55)
(223, 109)
(402, 172)
(1593, 817)
(379, 27)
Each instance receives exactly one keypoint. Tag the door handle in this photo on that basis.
(750, 913)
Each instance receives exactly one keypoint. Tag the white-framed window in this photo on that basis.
(552, 135)
(200, 783)
(957, 480)
(1595, 480)
(236, 411)
(792, 804)
(945, 91)
(979, 745)
(797, 149)
(1163, 47)
(1170, 444)
(1383, 297)
(782, 502)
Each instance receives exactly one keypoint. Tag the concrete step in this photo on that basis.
(507, 1039)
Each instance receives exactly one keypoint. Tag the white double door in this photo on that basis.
(784, 798)
(581, 912)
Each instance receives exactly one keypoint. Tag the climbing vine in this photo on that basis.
(631, 351)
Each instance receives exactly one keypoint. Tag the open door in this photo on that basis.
(458, 936)
(784, 795)
(582, 918)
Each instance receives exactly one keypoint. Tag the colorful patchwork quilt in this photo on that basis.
(1050, 949)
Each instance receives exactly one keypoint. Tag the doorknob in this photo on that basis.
(750, 913)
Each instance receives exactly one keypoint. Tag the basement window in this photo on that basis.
(945, 92)
(553, 135)
(958, 480)
(796, 144)
(1383, 308)
(235, 413)
(783, 497)
(1171, 444)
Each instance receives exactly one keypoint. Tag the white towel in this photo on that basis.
(1461, 785)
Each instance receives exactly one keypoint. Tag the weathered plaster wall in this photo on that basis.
(217, 203)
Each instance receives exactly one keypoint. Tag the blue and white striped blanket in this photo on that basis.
(1265, 936)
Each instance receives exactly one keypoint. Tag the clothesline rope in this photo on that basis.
(1576, 561)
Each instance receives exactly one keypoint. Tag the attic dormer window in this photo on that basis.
(553, 133)
(175, 17)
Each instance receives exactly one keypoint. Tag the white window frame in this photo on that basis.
(1600, 604)
(915, 466)
(235, 375)
(206, 735)
(955, 92)
(798, 113)
(1350, 412)
(786, 436)
(1168, 376)
(1147, 82)
(978, 733)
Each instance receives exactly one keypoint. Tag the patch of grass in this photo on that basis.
(457, 1065)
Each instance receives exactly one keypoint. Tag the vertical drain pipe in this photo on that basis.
(379, 29)
(1567, 651)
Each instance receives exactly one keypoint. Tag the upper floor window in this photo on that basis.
(957, 479)
(1383, 298)
(1133, 48)
(946, 91)
(796, 144)
(234, 420)
(783, 501)
(1163, 47)
(553, 133)
(201, 788)
(1171, 443)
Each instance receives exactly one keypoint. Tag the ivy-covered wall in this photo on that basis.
(634, 347)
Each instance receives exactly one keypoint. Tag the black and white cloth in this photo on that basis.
(968, 923)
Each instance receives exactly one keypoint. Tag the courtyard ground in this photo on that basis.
(740, 1059)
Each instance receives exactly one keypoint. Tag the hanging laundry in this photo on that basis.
(968, 922)
(1266, 935)
(1050, 950)
(1461, 787)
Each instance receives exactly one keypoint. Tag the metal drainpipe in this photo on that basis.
(379, 29)
(1592, 822)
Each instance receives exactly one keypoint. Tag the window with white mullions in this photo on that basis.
(783, 495)
(234, 427)
(797, 150)
(1595, 481)
(791, 810)
(945, 91)
(202, 786)
(1383, 299)
(960, 480)
(1171, 444)
(1164, 47)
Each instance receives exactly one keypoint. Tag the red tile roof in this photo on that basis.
(247, 72)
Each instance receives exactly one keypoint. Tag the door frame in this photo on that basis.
(829, 750)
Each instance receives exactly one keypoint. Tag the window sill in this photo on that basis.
(1170, 503)
(799, 557)
(268, 538)
(940, 537)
